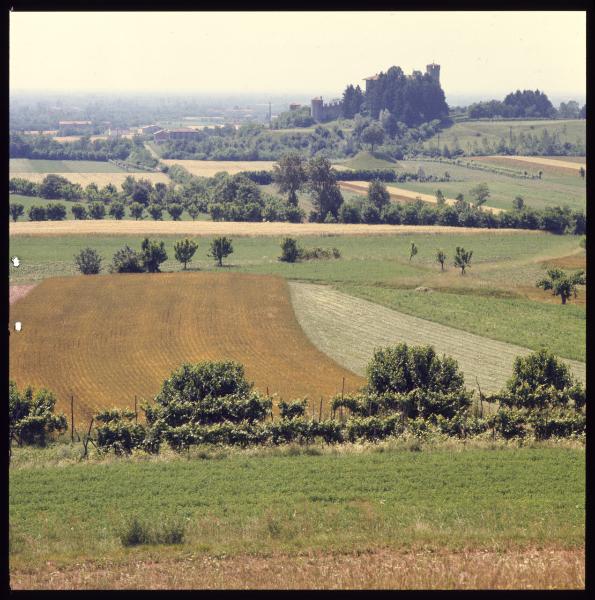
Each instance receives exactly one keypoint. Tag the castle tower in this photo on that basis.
(317, 111)
(433, 71)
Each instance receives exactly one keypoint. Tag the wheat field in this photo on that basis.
(106, 338)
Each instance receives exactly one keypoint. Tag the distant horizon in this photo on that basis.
(285, 53)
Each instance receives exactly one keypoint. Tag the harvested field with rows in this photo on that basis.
(348, 329)
(554, 166)
(101, 179)
(208, 168)
(105, 339)
(403, 195)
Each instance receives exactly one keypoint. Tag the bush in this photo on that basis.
(136, 533)
(37, 213)
(16, 210)
(117, 210)
(31, 416)
(55, 212)
(290, 251)
(349, 213)
(79, 212)
(156, 211)
(97, 210)
(291, 410)
(175, 211)
(372, 428)
(88, 261)
(127, 260)
(153, 254)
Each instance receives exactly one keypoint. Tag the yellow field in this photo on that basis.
(75, 138)
(564, 165)
(208, 168)
(400, 194)
(100, 179)
(206, 228)
(106, 338)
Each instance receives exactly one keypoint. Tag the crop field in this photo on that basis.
(349, 329)
(19, 166)
(400, 194)
(440, 518)
(467, 132)
(208, 168)
(99, 178)
(554, 166)
(496, 299)
(107, 338)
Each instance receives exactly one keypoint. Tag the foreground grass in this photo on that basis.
(239, 503)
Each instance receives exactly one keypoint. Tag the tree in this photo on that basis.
(322, 185)
(193, 210)
(290, 175)
(137, 210)
(562, 284)
(52, 185)
(290, 250)
(441, 258)
(37, 213)
(55, 211)
(373, 135)
(220, 248)
(175, 211)
(582, 172)
(117, 210)
(153, 254)
(184, 250)
(518, 203)
(79, 212)
(127, 260)
(378, 194)
(88, 261)
(97, 210)
(16, 210)
(156, 211)
(480, 194)
(462, 259)
(31, 416)
(440, 199)
(412, 251)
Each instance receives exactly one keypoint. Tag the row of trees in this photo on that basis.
(409, 390)
(151, 256)
(526, 104)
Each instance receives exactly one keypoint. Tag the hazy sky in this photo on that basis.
(480, 53)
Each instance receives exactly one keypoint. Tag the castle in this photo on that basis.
(331, 111)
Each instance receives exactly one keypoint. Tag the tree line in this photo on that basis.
(410, 391)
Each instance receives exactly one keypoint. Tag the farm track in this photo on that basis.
(106, 339)
(540, 568)
(16, 292)
(400, 194)
(208, 228)
(348, 329)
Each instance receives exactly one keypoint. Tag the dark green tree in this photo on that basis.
(88, 261)
(184, 250)
(16, 210)
(153, 254)
(290, 175)
(462, 259)
(220, 248)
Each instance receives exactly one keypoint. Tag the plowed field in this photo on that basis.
(105, 339)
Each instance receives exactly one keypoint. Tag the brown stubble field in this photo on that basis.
(105, 339)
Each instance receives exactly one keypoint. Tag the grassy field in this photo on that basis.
(25, 165)
(367, 160)
(496, 299)
(99, 178)
(208, 168)
(518, 504)
(348, 329)
(469, 131)
(109, 338)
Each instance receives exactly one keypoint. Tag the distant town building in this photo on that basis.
(370, 81)
(75, 127)
(149, 129)
(295, 106)
(180, 133)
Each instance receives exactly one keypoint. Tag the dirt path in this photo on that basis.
(544, 568)
(397, 193)
(206, 228)
(348, 329)
(16, 292)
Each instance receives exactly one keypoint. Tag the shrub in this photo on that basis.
(349, 213)
(55, 212)
(156, 211)
(79, 212)
(97, 210)
(88, 261)
(175, 211)
(16, 210)
(372, 428)
(291, 410)
(37, 213)
(117, 210)
(134, 533)
(153, 254)
(31, 416)
(290, 250)
(127, 260)
(137, 210)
